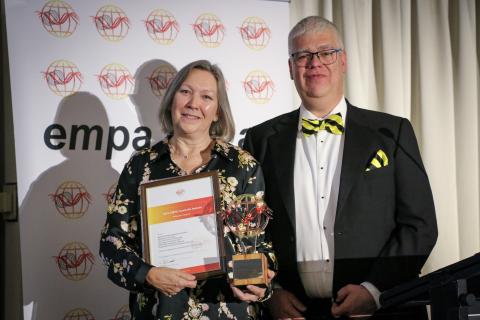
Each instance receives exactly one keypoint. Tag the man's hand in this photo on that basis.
(353, 300)
(284, 305)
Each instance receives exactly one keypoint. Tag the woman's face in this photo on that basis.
(195, 104)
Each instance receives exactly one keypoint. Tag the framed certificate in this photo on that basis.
(180, 224)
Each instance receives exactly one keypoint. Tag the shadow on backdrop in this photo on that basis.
(62, 215)
(152, 79)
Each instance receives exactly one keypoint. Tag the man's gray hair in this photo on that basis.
(313, 24)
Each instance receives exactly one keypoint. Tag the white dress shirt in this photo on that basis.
(317, 168)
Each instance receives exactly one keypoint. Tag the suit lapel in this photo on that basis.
(356, 152)
(359, 140)
(283, 152)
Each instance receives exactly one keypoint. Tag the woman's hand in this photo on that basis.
(253, 293)
(170, 281)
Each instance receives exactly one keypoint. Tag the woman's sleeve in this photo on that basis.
(120, 243)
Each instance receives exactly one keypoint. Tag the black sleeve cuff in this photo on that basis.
(141, 275)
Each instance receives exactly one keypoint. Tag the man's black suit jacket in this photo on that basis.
(385, 225)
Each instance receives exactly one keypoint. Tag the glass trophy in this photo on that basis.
(247, 217)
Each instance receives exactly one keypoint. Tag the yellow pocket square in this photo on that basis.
(380, 160)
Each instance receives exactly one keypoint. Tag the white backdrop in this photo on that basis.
(86, 82)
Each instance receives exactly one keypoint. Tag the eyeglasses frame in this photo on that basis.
(311, 54)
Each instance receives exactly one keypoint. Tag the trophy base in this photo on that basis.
(250, 269)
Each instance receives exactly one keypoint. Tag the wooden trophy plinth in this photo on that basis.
(250, 268)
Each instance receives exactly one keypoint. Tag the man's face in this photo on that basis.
(315, 79)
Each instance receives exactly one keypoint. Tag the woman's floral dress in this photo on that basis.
(120, 244)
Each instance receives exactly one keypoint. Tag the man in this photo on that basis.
(353, 208)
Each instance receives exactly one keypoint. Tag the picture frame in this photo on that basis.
(181, 224)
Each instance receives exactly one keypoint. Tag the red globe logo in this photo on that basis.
(258, 87)
(71, 199)
(162, 26)
(255, 33)
(116, 81)
(123, 313)
(209, 30)
(111, 23)
(58, 18)
(63, 77)
(78, 314)
(75, 261)
(161, 78)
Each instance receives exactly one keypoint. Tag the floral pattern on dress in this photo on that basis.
(121, 237)
(246, 160)
(195, 310)
(175, 170)
(118, 203)
(227, 186)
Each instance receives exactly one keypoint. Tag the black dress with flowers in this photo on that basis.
(120, 244)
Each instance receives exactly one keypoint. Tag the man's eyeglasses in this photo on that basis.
(304, 58)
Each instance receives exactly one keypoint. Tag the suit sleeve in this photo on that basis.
(248, 143)
(415, 232)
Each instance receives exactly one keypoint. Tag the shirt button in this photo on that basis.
(321, 141)
(324, 228)
(321, 168)
(323, 197)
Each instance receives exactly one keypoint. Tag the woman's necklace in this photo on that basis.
(184, 155)
(180, 154)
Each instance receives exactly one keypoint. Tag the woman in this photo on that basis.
(195, 114)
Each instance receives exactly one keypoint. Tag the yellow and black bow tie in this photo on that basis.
(333, 124)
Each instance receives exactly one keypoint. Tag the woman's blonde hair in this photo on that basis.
(224, 127)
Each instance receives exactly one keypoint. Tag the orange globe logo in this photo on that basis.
(58, 18)
(78, 314)
(258, 87)
(63, 77)
(209, 30)
(255, 33)
(75, 261)
(111, 23)
(162, 26)
(161, 78)
(123, 313)
(116, 81)
(71, 199)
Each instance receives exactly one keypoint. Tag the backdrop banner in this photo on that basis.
(87, 79)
